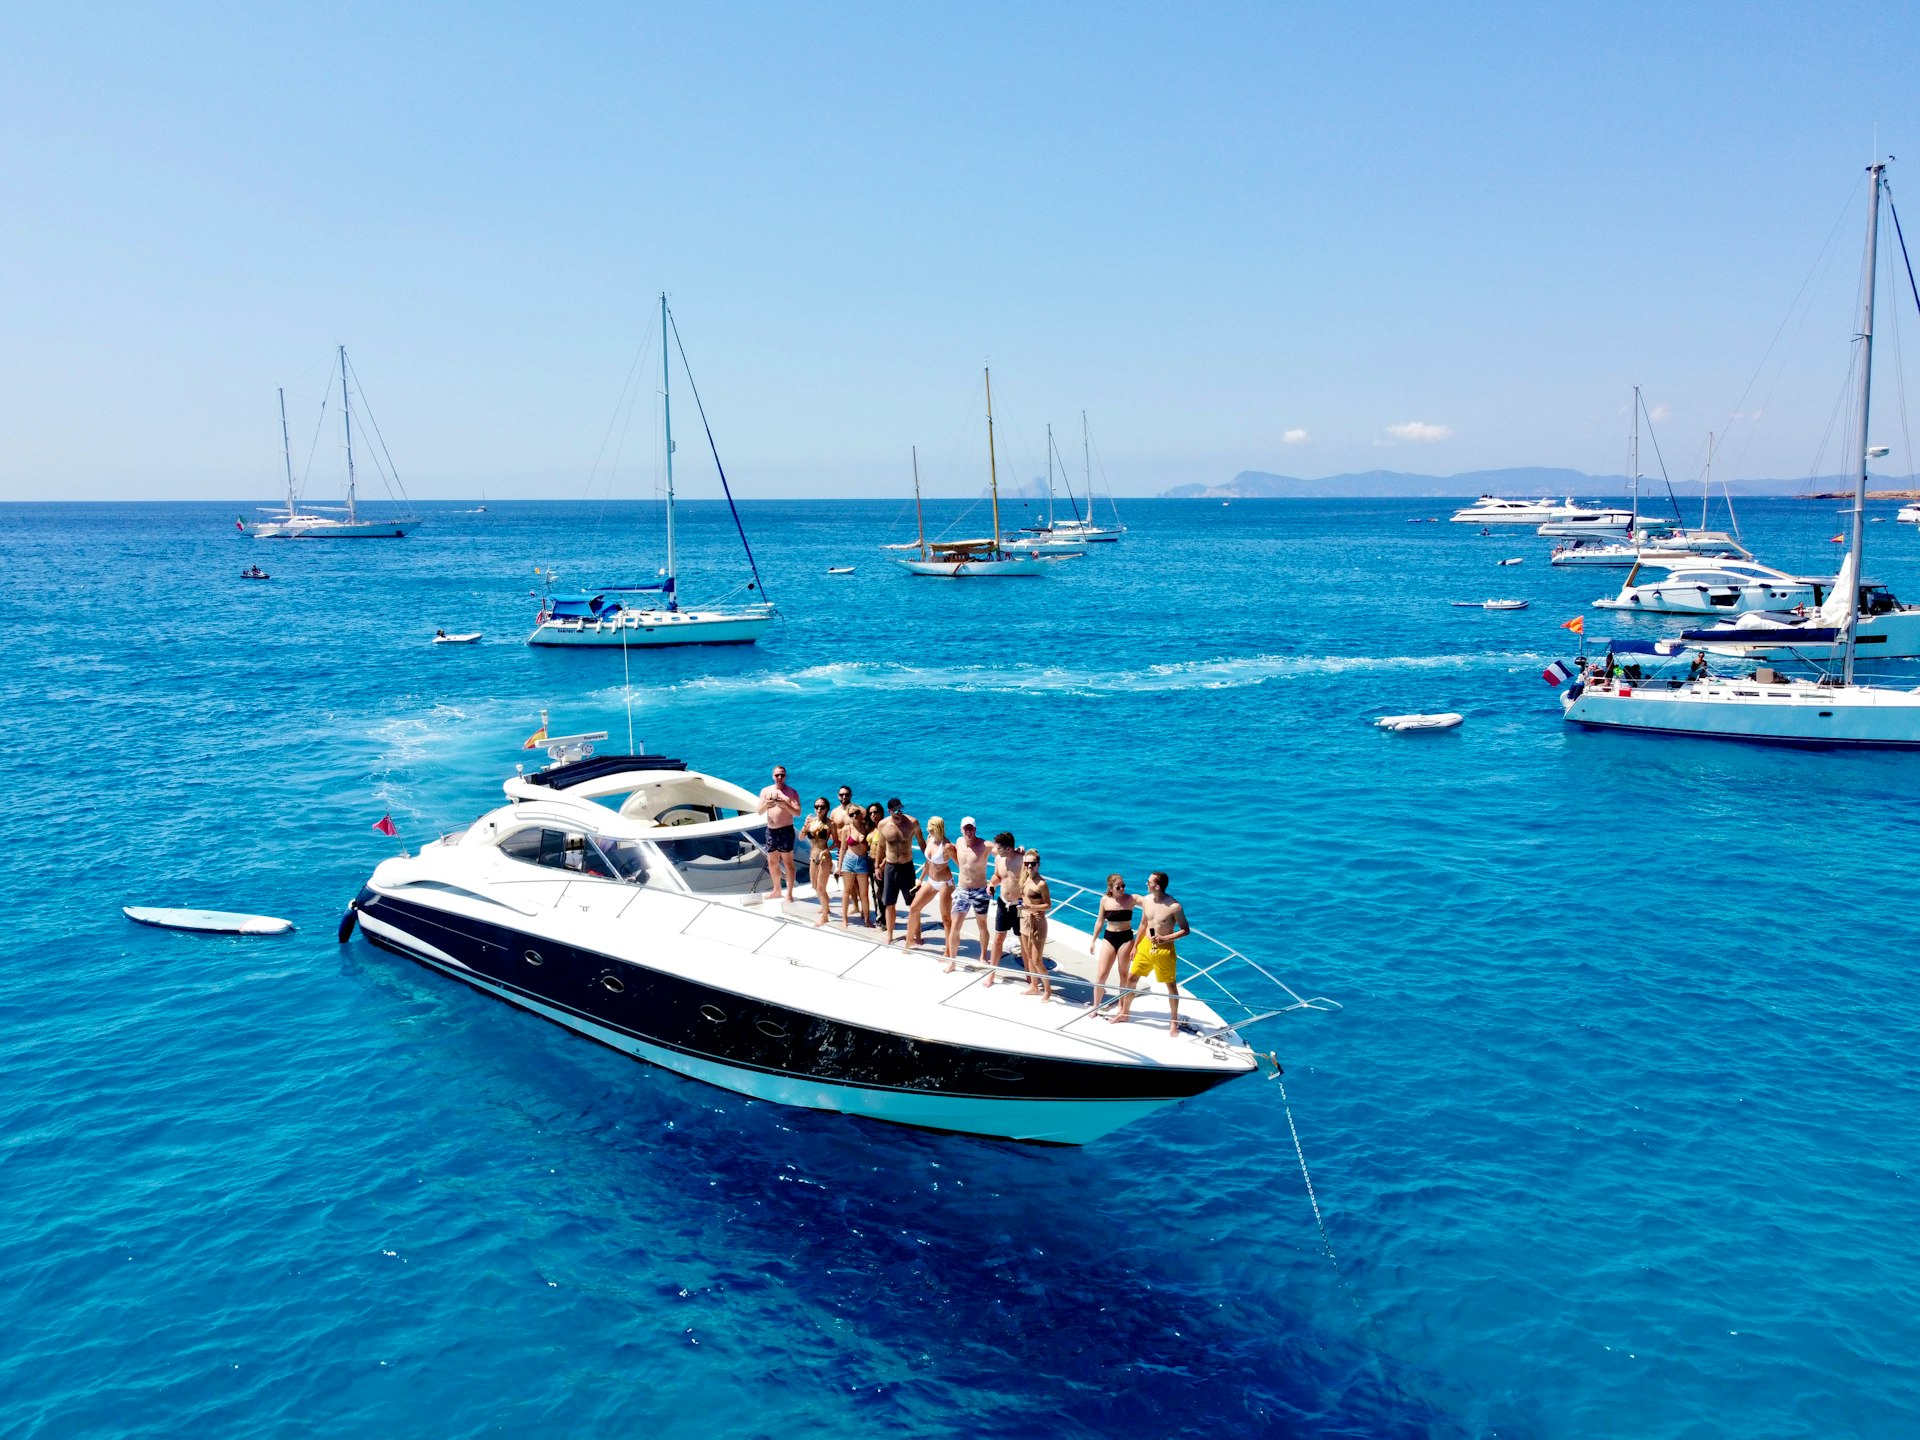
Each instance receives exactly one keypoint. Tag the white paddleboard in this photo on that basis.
(206, 922)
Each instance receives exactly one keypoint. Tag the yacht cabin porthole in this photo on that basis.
(614, 983)
(532, 957)
(995, 1073)
(771, 1028)
(713, 1013)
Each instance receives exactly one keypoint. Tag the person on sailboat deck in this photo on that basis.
(780, 807)
(820, 861)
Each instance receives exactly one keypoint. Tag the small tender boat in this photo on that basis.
(254, 572)
(441, 637)
(1504, 605)
(1446, 721)
(206, 922)
(1517, 560)
(839, 569)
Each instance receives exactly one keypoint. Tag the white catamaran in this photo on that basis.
(309, 525)
(614, 615)
(986, 559)
(1832, 711)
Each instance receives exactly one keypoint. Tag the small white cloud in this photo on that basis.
(1661, 411)
(1295, 437)
(1420, 432)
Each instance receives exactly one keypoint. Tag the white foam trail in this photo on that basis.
(1218, 674)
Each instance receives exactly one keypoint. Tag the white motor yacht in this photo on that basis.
(1833, 711)
(1678, 547)
(1617, 524)
(1910, 513)
(625, 897)
(613, 616)
(1494, 510)
(327, 522)
(1721, 587)
(1884, 629)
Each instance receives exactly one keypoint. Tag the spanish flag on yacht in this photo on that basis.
(1578, 624)
(536, 740)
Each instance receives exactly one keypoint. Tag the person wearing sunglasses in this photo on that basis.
(970, 853)
(1006, 904)
(1165, 923)
(820, 863)
(780, 807)
(1036, 899)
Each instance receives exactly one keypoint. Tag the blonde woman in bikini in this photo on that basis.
(1113, 940)
(1154, 957)
(820, 836)
(1036, 899)
(935, 880)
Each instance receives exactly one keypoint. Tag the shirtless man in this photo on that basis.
(780, 806)
(970, 891)
(1007, 880)
(1164, 922)
(837, 818)
(895, 839)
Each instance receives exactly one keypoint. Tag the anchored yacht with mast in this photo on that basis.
(628, 616)
(1833, 711)
(309, 525)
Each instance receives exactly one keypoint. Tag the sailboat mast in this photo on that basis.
(1049, 477)
(666, 402)
(919, 518)
(346, 415)
(286, 451)
(1636, 460)
(993, 470)
(1861, 435)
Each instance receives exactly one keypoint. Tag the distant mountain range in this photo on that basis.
(1528, 482)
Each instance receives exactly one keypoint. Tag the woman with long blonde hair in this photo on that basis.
(936, 879)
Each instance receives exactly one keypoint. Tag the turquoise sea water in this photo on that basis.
(1615, 1135)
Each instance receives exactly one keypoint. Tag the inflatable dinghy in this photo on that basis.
(1448, 721)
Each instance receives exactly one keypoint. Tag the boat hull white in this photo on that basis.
(304, 527)
(652, 629)
(1011, 568)
(1790, 713)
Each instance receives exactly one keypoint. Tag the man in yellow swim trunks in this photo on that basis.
(1164, 923)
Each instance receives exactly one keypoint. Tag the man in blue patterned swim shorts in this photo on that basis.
(970, 889)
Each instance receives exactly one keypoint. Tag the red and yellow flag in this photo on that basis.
(536, 740)
(1578, 625)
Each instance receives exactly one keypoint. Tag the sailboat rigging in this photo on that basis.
(614, 615)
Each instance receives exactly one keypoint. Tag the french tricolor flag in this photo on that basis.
(1558, 673)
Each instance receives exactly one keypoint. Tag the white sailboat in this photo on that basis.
(311, 525)
(1077, 530)
(1832, 711)
(986, 559)
(621, 615)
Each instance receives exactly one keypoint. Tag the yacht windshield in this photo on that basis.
(731, 863)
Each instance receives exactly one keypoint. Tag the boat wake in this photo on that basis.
(1216, 674)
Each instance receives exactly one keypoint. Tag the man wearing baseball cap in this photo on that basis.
(970, 889)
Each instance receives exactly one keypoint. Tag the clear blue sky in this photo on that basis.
(1207, 225)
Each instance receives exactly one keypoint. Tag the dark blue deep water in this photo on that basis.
(1616, 1134)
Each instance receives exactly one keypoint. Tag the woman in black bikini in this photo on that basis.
(1113, 941)
(819, 834)
(1036, 899)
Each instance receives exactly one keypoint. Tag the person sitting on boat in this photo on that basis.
(821, 839)
(780, 807)
(970, 896)
(1006, 904)
(1698, 669)
(936, 881)
(439, 634)
(1154, 958)
(897, 832)
(1113, 938)
(1036, 900)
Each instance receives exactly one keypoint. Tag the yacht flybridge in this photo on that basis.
(1832, 711)
(344, 524)
(630, 616)
(625, 897)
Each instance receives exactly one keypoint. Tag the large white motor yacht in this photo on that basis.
(1495, 510)
(625, 897)
(1722, 587)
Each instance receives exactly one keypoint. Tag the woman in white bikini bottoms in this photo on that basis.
(936, 879)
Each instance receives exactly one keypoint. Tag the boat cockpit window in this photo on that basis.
(573, 850)
(731, 863)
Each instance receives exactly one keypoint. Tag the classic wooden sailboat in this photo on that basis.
(1764, 706)
(296, 525)
(974, 559)
(617, 615)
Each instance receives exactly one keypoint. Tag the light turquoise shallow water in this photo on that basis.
(1615, 1135)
